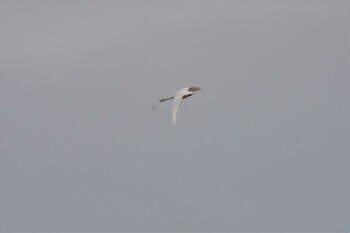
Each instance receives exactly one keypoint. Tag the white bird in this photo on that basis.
(182, 94)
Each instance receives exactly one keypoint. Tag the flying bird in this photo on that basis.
(182, 94)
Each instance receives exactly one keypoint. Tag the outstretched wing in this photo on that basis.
(176, 103)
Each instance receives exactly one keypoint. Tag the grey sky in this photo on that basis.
(264, 146)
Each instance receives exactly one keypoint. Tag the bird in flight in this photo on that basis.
(182, 94)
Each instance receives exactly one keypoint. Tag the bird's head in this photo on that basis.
(194, 89)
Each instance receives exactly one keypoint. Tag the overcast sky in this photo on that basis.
(85, 145)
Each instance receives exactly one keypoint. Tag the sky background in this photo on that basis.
(85, 145)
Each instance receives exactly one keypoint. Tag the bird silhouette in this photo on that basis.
(180, 95)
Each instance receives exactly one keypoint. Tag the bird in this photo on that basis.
(180, 95)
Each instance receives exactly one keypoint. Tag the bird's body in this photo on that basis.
(182, 94)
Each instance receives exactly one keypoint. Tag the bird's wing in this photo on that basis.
(176, 103)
